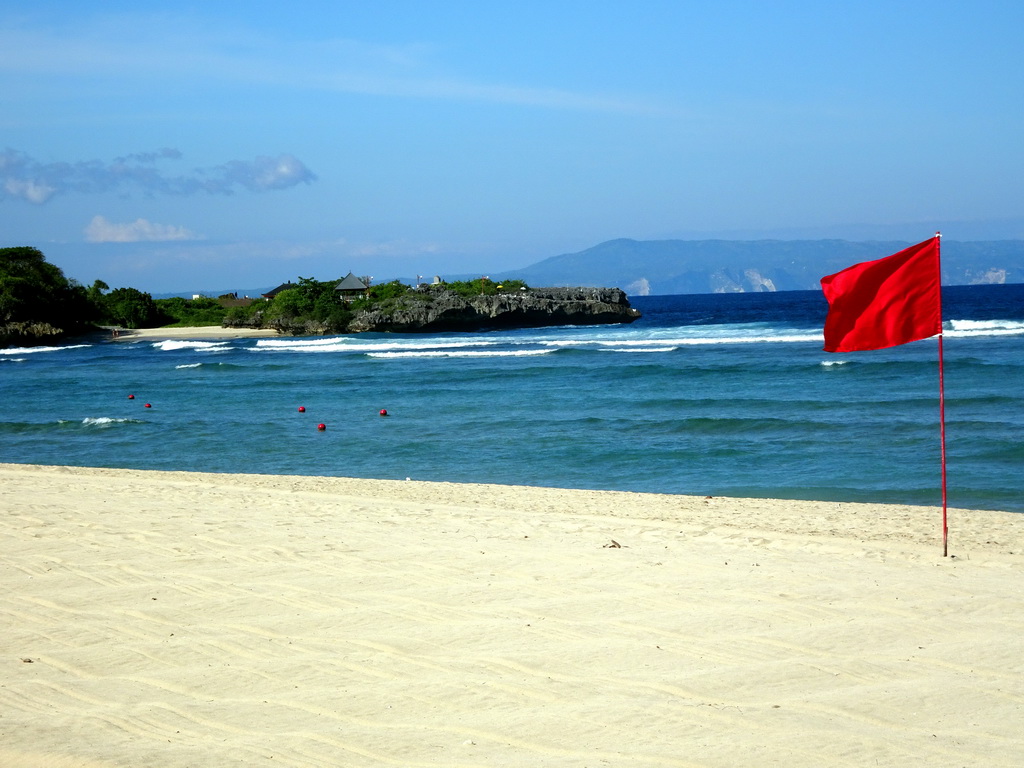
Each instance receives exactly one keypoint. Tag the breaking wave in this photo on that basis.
(171, 345)
(984, 328)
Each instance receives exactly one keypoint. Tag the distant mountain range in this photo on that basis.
(651, 267)
(647, 267)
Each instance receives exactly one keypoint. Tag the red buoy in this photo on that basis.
(302, 409)
(148, 405)
(383, 411)
(131, 397)
(321, 427)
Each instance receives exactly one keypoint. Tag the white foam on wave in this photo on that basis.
(564, 343)
(171, 345)
(461, 353)
(754, 337)
(104, 421)
(793, 338)
(424, 346)
(691, 341)
(189, 365)
(35, 350)
(830, 363)
(297, 345)
(361, 347)
(525, 343)
(984, 328)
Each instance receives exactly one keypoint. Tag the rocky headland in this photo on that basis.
(433, 309)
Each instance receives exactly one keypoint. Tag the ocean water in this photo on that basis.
(707, 394)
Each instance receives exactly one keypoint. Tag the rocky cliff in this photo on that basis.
(432, 310)
(29, 334)
(435, 308)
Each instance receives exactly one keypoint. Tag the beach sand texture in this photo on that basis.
(197, 333)
(180, 619)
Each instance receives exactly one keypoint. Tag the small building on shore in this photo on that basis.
(351, 287)
(282, 287)
(229, 300)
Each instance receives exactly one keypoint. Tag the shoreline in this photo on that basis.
(199, 332)
(163, 618)
(845, 520)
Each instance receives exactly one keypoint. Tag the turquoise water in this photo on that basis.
(719, 395)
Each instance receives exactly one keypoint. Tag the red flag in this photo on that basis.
(886, 302)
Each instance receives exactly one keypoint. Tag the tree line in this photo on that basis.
(37, 300)
(34, 292)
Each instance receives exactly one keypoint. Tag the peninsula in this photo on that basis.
(442, 307)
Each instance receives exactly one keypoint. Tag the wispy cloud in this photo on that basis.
(100, 230)
(297, 250)
(127, 47)
(388, 249)
(23, 177)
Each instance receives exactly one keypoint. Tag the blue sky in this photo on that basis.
(234, 145)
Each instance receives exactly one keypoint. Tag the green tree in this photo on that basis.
(482, 286)
(312, 299)
(189, 312)
(131, 308)
(289, 304)
(309, 300)
(385, 295)
(385, 291)
(95, 292)
(34, 291)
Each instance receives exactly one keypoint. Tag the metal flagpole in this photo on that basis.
(942, 408)
(942, 432)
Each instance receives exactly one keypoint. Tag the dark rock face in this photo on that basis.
(435, 311)
(286, 326)
(29, 334)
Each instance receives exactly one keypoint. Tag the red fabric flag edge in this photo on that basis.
(886, 302)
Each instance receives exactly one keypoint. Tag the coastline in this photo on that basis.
(174, 618)
(203, 332)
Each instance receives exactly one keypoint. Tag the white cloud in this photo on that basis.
(28, 179)
(265, 173)
(29, 189)
(100, 230)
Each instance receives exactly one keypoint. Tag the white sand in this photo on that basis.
(178, 619)
(203, 333)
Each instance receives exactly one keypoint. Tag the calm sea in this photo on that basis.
(707, 394)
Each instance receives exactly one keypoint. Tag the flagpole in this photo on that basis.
(887, 302)
(942, 410)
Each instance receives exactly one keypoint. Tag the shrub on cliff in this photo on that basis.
(385, 293)
(309, 302)
(484, 286)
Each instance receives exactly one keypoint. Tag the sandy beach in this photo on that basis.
(201, 333)
(180, 619)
